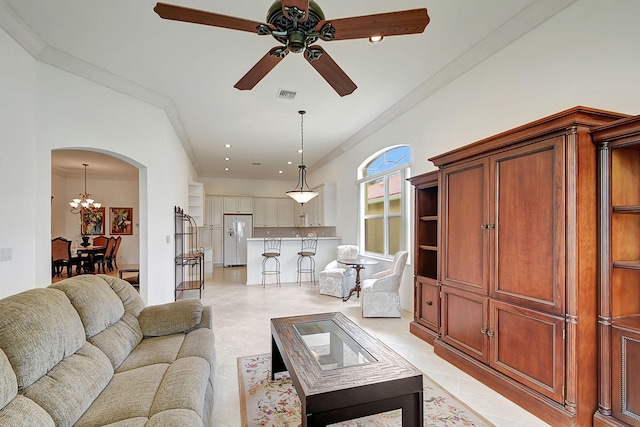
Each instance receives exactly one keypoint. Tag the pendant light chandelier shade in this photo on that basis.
(302, 193)
(85, 201)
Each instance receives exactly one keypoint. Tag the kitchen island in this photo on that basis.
(325, 253)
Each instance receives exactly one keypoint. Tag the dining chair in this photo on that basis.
(100, 241)
(112, 258)
(307, 252)
(61, 257)
(102, 258)
(271, 252)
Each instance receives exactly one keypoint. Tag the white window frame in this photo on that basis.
(404, 169)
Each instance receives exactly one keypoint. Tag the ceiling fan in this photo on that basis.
(297, 25)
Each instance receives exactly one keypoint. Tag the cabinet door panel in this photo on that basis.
(218, 237)
(465, 258)
(271, 215)
(625, 374)
(285, 212)
(529, 237)
(464, 317)
(528, 346)
(428, 302)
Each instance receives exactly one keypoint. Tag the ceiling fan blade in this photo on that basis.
(329, 70)
(384, 24)
(184, 14)
(262, 68)
(301, 6)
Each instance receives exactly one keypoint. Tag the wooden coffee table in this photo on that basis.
(340, 372)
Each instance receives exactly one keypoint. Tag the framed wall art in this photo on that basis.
(121, 220)
(92, 221)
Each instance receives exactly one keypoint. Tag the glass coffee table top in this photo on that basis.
(331, 346)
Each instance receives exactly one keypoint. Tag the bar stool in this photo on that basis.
(309, 245)
(271, 252)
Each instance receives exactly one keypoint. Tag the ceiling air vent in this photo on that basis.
(287, 94)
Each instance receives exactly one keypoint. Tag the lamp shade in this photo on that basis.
(302, 196)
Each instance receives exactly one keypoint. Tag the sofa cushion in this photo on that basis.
(72, 385)
(23, 412)
(8, 382)
(38, 328)
(97, 304)
(118, 340)
(199, 343)
(184, 386)
(130, 394)
(171, 318)
(108, 308)
(153, 350)
(175, 417)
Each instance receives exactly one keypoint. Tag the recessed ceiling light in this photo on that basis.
(226, 169)
(375, 39)
(227, 145)
(289, 163)
(279, 171)
(226, 158)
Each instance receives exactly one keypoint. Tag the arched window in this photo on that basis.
(382, 190)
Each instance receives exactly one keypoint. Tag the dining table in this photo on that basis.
(357, 264)
(88, 261)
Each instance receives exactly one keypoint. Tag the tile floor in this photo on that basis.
(241, 317)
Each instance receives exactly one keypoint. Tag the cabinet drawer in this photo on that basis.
(428, 302)
(528, 346)
(464, 322)
(625, 370)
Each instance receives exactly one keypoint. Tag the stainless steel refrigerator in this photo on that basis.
(237, 229)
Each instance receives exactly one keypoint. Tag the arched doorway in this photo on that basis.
(113, 182)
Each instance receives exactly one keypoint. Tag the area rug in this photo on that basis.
(266, 403)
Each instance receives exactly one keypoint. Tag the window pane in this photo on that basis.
(395, 193)
(375, 198)
(395, 234)
(387, 160)
(374, 235)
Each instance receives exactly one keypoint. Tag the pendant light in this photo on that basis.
(302, 193)
(85, 201)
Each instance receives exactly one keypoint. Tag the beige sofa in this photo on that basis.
(87, 352)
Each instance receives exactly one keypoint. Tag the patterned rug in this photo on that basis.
(266, 403)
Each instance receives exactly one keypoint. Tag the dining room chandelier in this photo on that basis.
(85, 201)
(302, 193)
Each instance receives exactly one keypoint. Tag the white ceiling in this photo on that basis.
(189, 70)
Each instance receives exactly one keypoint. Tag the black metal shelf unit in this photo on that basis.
(189, 257)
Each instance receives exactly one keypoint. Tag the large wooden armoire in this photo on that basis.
(518, 264)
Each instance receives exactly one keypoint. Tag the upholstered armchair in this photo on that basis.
(337, 279)
(380, 296)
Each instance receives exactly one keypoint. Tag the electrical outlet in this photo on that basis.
(6, 254)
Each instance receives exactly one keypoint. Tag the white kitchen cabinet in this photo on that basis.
(211, 237)
(285, 212)
(321, 210)
(272, 212)
(259, 212)
(238, 204)
(213, 211)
